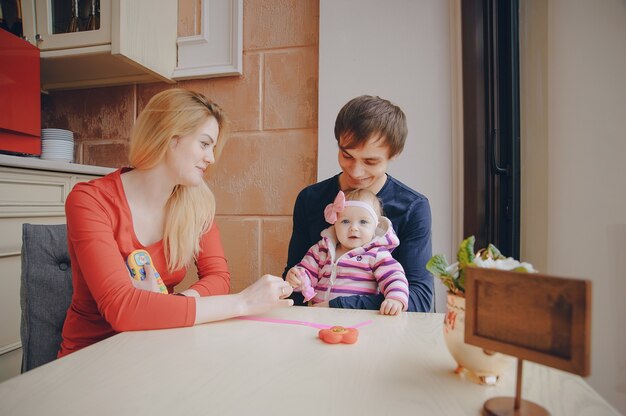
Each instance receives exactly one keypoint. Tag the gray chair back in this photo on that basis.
(45, 292)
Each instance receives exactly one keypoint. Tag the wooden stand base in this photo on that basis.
(505, 406)
(514, 406)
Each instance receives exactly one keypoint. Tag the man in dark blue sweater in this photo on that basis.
(370, 132)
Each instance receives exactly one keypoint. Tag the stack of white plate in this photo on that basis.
(57, 145)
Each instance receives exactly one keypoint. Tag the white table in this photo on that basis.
(400, 366)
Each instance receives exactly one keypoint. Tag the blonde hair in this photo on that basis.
(189, 211)
(365, 195)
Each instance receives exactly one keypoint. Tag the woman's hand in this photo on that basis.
(150, 283)
(391, 307)
(266, 293)
(293, 277)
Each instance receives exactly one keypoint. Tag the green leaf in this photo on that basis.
(465, 256)
(460, 282)
(449, 283)
(437, 265)
(494, 252)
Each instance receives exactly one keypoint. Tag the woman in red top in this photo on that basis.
(164, 206)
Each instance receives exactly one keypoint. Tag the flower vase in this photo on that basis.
(481, 366)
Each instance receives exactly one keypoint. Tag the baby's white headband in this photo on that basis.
(338, 205)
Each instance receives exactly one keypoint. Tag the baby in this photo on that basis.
(354, 256)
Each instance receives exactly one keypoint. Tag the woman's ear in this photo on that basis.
(174, 142)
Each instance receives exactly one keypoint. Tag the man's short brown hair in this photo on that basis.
(366, 116)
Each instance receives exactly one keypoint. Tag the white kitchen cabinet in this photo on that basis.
(31, 191)
(134, 42)
(217, 50)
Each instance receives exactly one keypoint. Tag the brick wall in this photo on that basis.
(272, 151)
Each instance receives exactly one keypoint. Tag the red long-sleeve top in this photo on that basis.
(105, 302)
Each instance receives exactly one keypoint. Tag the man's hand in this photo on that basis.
(321, 305)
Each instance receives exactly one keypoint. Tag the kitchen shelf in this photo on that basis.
(53, 166)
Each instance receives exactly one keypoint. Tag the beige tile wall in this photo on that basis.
(272, 152)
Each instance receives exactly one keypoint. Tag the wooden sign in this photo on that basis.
(531, 316)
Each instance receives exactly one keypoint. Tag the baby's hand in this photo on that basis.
(391, 307)
(293, 277)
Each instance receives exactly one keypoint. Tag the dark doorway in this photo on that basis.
(490, 38)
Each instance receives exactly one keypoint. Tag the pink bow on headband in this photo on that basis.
(331, 210)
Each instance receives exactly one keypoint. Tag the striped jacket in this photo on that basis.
(366, 270)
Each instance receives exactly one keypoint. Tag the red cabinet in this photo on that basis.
(20, 99)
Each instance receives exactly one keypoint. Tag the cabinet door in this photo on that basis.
(54, 19)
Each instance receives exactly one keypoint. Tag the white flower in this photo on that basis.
(453, 270)
(502, 264)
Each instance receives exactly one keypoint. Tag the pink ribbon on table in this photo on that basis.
(307, 290)
(294, 322)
